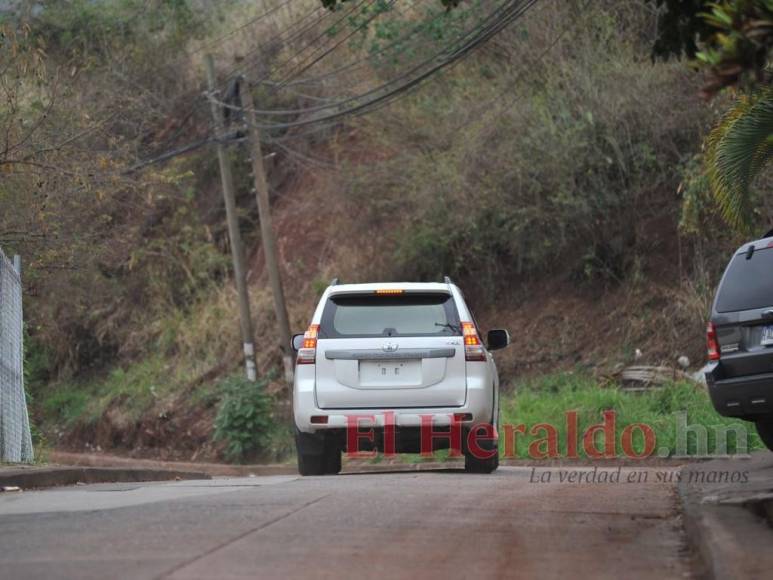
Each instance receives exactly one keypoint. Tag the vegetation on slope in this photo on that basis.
(678, 414)
(552, 158)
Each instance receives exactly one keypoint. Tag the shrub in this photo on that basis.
(244, 420)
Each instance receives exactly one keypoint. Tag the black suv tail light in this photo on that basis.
(712, 342)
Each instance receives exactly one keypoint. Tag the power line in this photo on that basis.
(236, 70)
(497, 20)
(274, 39)
(357, 63)
(198, 105)
(288, 112)
(490, 107)
(233, 137)
(330, 50)
(209, 44)
(313, 40)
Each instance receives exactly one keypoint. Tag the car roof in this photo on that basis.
(407, 286)
(761, 244)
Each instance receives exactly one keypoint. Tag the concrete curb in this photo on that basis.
(213, 469)
(725, 523)
(34, 477)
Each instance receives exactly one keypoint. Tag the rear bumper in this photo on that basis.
(747, 396)
(479, 402)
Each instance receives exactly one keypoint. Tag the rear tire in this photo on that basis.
(765, 431)
(332, 459)
(476, 465)
(317, 454)
(310, 464)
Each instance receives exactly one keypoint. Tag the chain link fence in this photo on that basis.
(15, 437)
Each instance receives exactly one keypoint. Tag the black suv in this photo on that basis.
(740, 339)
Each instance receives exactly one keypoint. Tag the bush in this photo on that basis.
(244, 420)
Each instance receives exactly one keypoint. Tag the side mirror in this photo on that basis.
(297, 342)
(497, 339)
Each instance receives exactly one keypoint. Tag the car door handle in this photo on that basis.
(767, 313)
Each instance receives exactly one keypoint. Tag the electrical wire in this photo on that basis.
(219, 40)
(493, 17)
(293, 74)
(311, 42)
(275, 39)
(232, 137)
(381, 96)
(236, 70)
(497, 20)
(491, 107)
(199, 105)
(357, 63)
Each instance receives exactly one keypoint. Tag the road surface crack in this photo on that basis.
(227, 543)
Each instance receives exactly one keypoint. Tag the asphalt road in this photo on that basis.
(443, 524)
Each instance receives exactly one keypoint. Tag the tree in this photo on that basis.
(731, 41)
(737, 150)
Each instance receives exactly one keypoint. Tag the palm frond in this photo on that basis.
(737, 150)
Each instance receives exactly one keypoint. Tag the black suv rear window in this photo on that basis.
(747, 284)
(359, 316)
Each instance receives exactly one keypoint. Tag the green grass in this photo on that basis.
(547, 400)
(66, 405)
(135, 389)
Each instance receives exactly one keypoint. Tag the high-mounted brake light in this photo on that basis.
(473, 347)
(307, 354)
(389, 291)
(712, 342)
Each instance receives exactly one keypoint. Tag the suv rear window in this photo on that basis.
(747, 284)
(359, 316)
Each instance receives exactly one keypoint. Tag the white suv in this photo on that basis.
(399, 368)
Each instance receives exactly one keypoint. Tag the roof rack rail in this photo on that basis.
(447, 280)
(334, 282)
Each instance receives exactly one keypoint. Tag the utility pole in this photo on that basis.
(233, 225)
(266, 228)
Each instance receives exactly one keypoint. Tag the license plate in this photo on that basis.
(390, 372)
(767, 335)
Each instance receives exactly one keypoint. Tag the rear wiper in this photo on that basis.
(452, 327)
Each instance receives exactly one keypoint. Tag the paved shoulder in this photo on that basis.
(121, 495)
(727, 505)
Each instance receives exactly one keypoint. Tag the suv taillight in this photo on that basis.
(712, 342)
(473, 347)
(307, 354)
